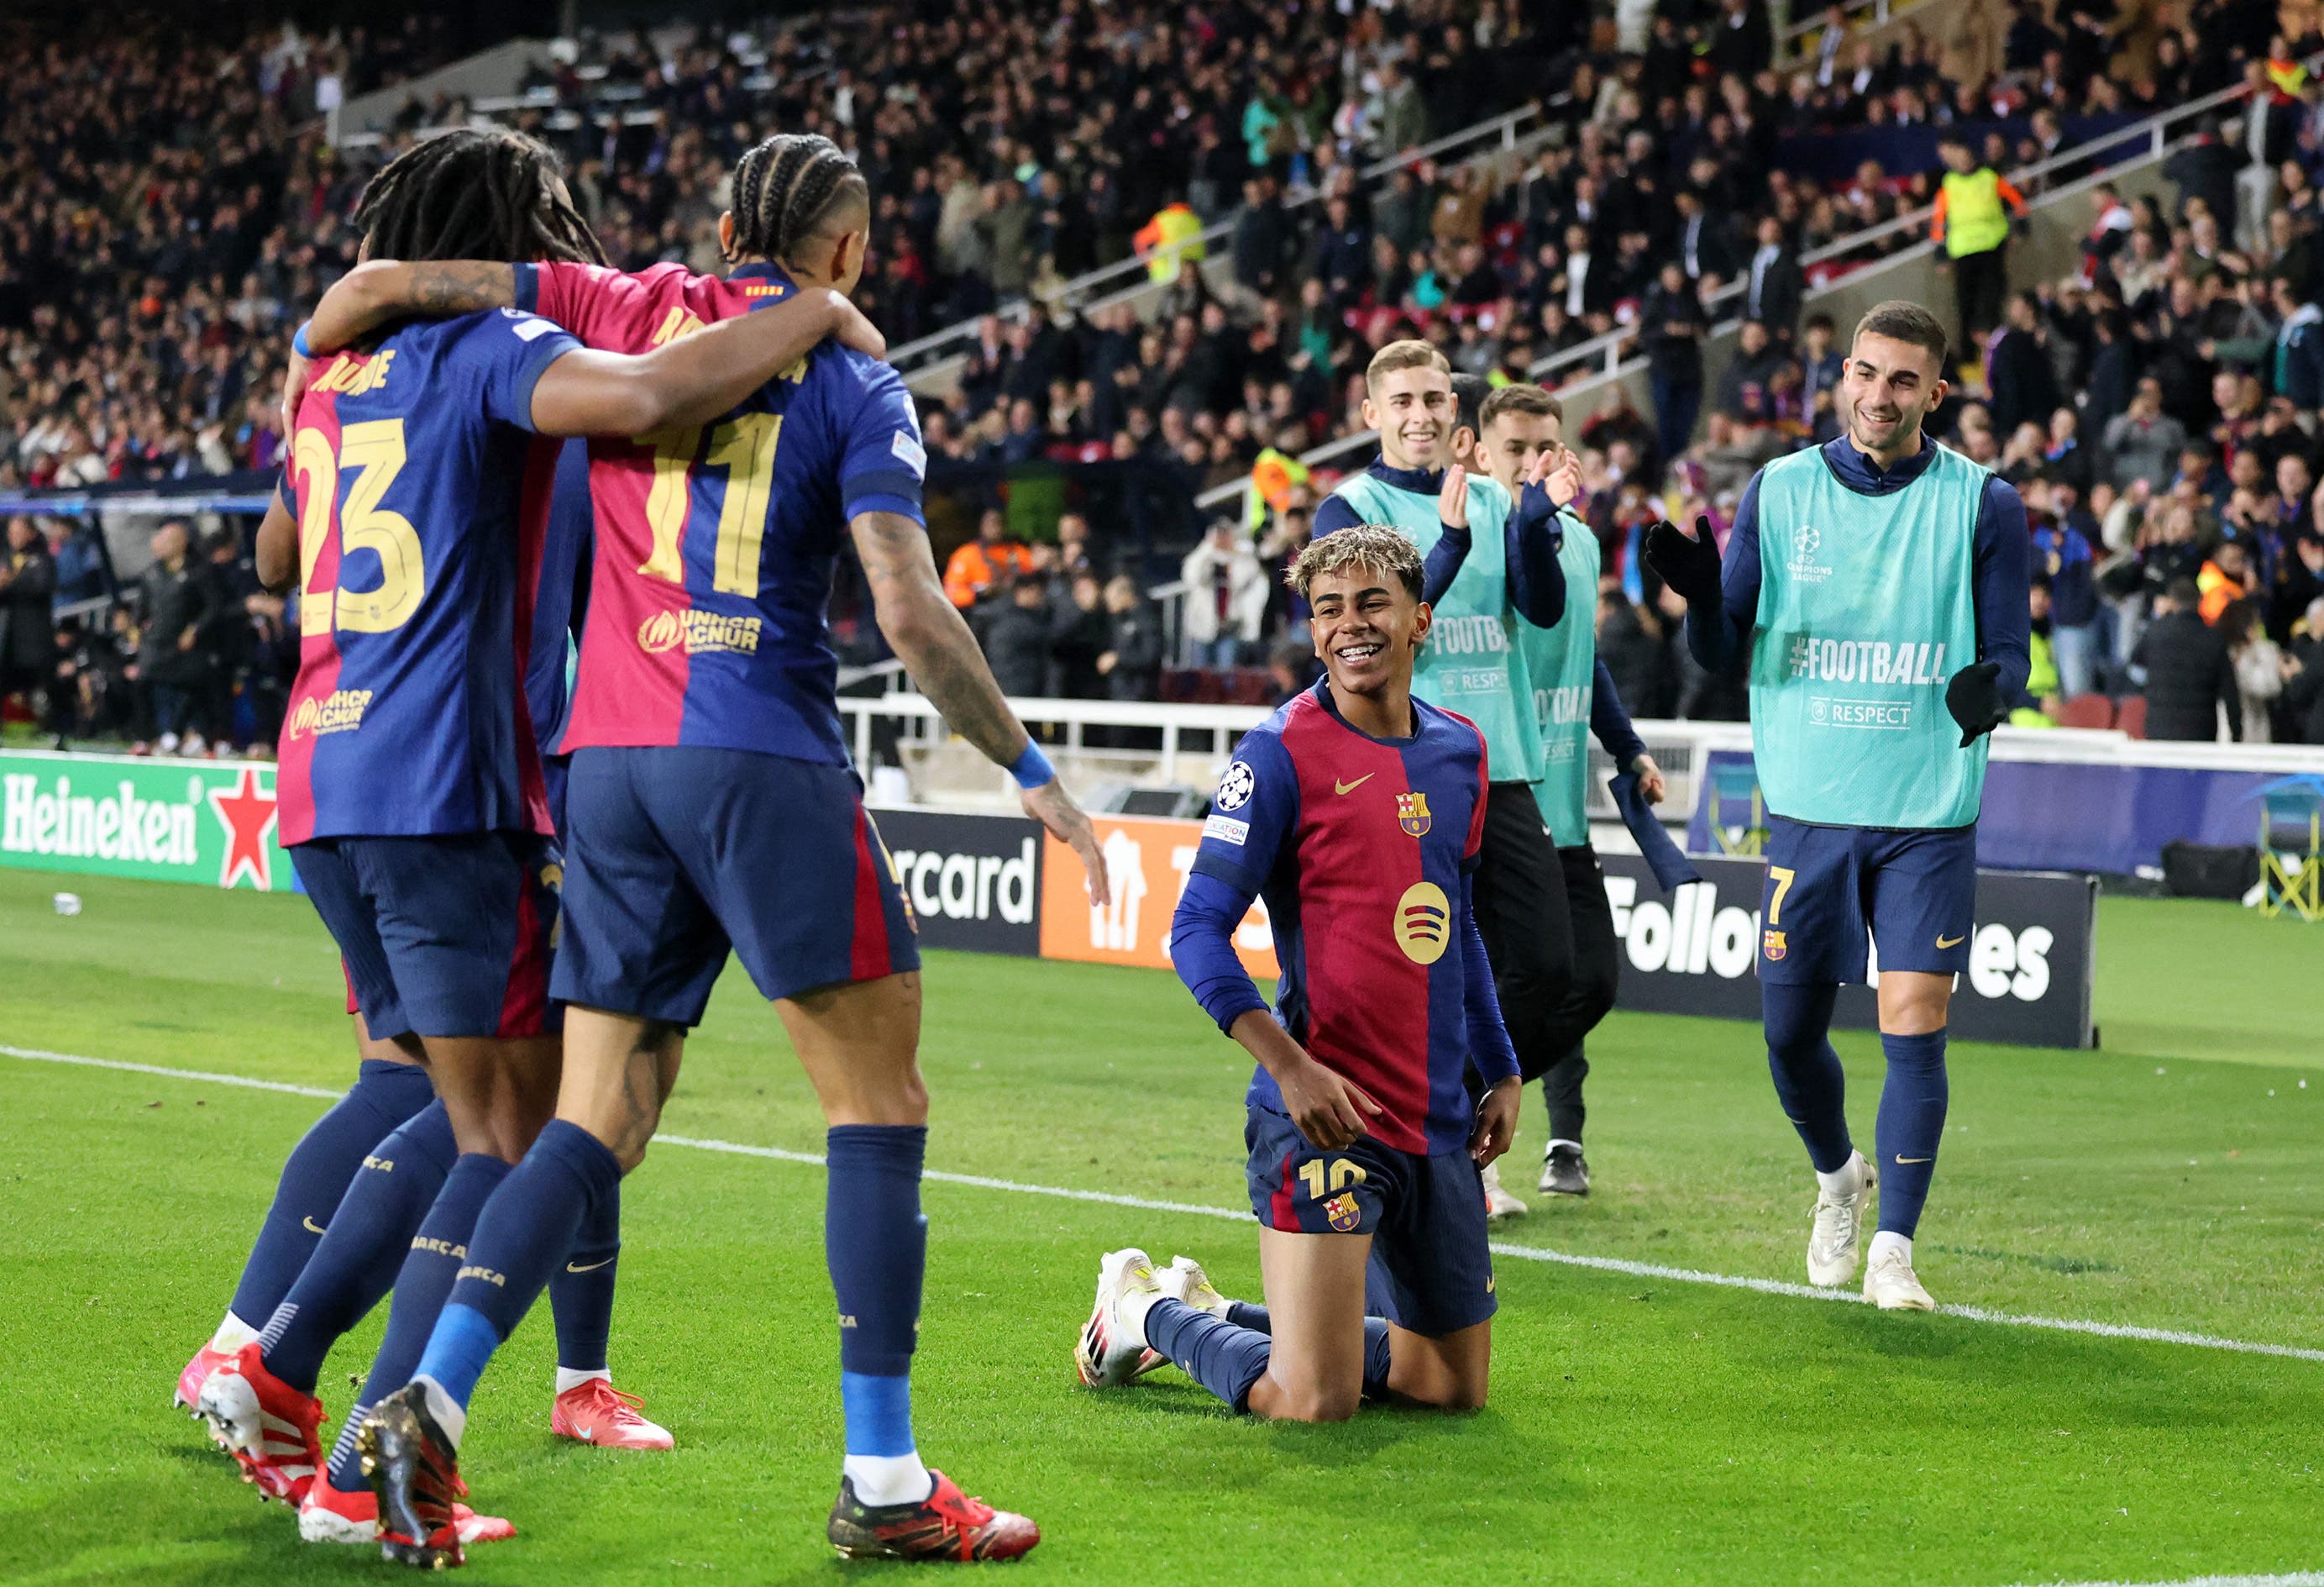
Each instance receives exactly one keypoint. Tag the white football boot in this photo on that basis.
(1836, 1234)
(1499, 1203)
(1890, 1284)
(1183, 1280)
(1112, 1343)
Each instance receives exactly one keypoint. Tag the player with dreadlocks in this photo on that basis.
(413, 796)
(713, 810)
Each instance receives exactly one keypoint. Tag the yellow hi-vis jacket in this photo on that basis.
(1167, 239)
(1970, 216)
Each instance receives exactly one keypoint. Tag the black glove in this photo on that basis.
(1974, 698)
(1688, 563)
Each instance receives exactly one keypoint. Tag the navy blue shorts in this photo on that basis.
(1915, 892)
(445, 936)
(677, 854)
(1426, 1216)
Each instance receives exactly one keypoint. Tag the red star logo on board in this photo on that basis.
(247, 813)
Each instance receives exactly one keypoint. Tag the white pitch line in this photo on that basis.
(1531, 1253)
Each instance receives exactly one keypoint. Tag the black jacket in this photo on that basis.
(2187, 676)
(27, 633)
(1017, 644)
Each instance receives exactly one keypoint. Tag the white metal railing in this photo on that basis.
(919, 713)
(1680, 747)
(913, 356)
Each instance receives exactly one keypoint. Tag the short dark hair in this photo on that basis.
(1902, 320)
(1470, 392)
(1519, 397)
(2184, 594)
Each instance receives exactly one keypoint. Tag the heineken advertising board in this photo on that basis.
(210, 822)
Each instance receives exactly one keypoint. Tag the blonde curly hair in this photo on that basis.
(1375, 547)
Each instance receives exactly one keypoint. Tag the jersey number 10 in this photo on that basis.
(375, 449)
(743, 446)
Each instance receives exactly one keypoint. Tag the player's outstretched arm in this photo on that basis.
(690, 380)
(927, 633)
(381, 291)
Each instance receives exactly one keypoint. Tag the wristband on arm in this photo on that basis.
(298, 340)
(1032, 769)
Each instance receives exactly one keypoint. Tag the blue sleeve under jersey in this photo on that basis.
(1202, 948)
(1719, 633)
(1437, 570)
(2000, 592)
(1488, 1040)
(1533, 537)
(1253, 816)
(1610, 723)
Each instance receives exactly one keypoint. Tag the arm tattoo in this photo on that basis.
(461, 287)
(931, 637)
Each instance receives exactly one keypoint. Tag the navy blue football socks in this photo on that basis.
(1809, 1081)
(1221, 1357)
(370, 1235)
(436, 1255)
(530, 1229)
(1250, 1317)
(1911, 1123)
(581, 1290)
(315, 1177)
(520, 1239)
(875, 1243)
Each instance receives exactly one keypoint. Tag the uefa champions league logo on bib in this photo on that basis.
(1802, 565)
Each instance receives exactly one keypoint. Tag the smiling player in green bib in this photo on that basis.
(1875, 591)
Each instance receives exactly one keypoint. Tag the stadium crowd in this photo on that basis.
(168, 213)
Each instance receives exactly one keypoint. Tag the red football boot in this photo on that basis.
(947, 1525)
(596, 1412)
(189, 1382)
(267, 1426)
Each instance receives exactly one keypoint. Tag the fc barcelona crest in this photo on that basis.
(1412, 812)
(1342, 1213)
(1771, 944)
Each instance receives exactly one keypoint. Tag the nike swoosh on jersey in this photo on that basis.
(593, 1267)
(1944, 944)
(1346, 787)
(311, 1226)
(1909, 1161)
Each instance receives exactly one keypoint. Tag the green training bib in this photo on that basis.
(1563, 664)
(1866, 612)
(1469, 662)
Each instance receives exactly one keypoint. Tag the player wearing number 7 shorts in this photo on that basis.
(1874, 591)
(1359, 812)
(713, 811)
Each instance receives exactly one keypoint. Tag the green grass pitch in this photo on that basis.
(1642, 1428)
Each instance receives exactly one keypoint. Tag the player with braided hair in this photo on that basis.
(415, 516)
(714, 807)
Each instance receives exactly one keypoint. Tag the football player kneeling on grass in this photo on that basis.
(1356, 811)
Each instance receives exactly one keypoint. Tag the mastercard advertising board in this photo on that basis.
(1148, 861)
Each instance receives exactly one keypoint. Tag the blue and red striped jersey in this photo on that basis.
(1360, 846)
(715, 543)
(422, 498)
